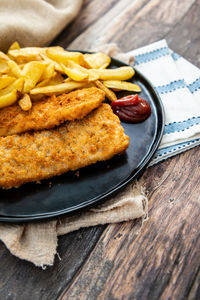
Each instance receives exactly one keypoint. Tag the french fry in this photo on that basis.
(32, 72)
(76, 69)
(3, 56)
(122, 73)
(25, 102)
(61, 56)
(5, 81)
(48, 71)
(8, 99)
(14, 46)
(26, 54)
(4, 68)
(109, 94)
(92, 75)
(74, 73)
(57, 65)
(56, 79)
(122, 85)
(14, 68)
(35, 72)
(59, 88)
(43, 83)
(17, 85)
(97, 60)
(11, 65)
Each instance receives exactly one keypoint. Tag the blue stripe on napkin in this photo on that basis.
(152, 55)
(181, 126)
(175, 56)
(170, 87)
(171, 149)
(194, 86)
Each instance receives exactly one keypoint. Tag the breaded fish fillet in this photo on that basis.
(50, 112)
(38, 155)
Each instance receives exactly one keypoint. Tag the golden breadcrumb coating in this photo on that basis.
(42, 154)
(50, 111)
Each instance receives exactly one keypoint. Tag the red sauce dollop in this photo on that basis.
(131, 109)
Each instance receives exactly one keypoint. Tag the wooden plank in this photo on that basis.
(90, 13)
(150, 24)
(20, 280)
(187, 41)
(133, 23)
(97, 32)
(162, 262)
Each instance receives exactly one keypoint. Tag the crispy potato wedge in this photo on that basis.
(26, 54)
(122, 73)
(48, 71)
(59, 88)
(97, 60)
(58, 68)
(17, 85)
(109, 94)
(8, 99)
(122, 85)
(14, 68)
(56, 79)
(25, 102)
(14, 46)
(3, 56)
(74, 73)
(91, 75)
(44, 82)
(4, 68)
(62, 56)
(5, 81)
(32, 73)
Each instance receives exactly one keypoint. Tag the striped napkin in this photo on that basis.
(177, 82)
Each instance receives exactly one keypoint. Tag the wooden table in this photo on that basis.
(112, 262)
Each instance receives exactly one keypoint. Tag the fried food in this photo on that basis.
(34, 156)
(50, 111)
(54, 70)
(25, 102)
(122, 85)
(109, 93)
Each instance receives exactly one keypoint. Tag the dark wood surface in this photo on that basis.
(112, 262)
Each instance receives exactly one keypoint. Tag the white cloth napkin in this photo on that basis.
(177, 82)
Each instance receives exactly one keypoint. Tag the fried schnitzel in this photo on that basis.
(42, 154)
(50, 112)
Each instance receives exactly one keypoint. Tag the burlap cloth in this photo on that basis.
(36, 23)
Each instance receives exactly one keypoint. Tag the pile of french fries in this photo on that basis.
(29, 74)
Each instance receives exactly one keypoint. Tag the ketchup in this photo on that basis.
(131, 109)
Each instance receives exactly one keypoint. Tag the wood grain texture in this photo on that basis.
(158, 263)
(187, 41)
(20, 280)
(113, 262)
(91, 12)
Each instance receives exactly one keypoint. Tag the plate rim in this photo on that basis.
(134, 175)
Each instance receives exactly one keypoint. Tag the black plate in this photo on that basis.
(95, 183)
